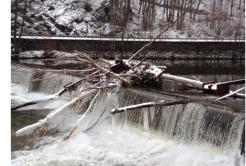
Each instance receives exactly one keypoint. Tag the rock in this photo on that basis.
(51, 8)
(87, 7)
(61, 27)
(78, 20)
(40, 18)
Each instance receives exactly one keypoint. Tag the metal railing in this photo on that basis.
(126, 38)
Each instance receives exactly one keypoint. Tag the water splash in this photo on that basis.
(161, 136)
(189, 123)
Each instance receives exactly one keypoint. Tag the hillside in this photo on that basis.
(130, 18)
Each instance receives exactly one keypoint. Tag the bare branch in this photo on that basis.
(104, 69)
(69, 87)
(50, 117)
(89, 109)
(148, 104)
(230, 94)
(135, 54)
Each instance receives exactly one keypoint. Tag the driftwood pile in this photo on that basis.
(104, 76)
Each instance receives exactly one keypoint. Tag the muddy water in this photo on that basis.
(107, 144)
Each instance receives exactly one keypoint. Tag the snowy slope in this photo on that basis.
(92, 18)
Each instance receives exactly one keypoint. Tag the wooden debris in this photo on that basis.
(221, 88)
(187, 81)
(50, 117)
(148, 104)
(231, 93)
(104, 69)
(148, 44)
(117, 74)
(89, 109)
(70, 87)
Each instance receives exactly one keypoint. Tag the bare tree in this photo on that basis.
(120, 12)
(148, 12)
(199, 2)
(190, 7)
(240, 2)
(232, 4)
(24, 11)
(15, 26)
(19, 26)
(213, 15)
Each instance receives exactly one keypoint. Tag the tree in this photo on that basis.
(232, 4)
(17, 43)
(199, 2)
(15, 26)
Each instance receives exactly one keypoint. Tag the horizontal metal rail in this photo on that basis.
(92, 38)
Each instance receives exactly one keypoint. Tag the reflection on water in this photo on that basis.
(203, 67)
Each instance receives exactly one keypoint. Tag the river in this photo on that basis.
(179, 136)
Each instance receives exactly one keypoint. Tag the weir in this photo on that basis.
(188, 123)
(191, 123)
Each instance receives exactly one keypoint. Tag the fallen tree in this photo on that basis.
(69, 87)
(109, 77)
(148, 104)
(28, 130)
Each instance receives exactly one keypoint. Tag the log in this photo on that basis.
(89, 109)
(230, 94)
(28, 130)
(239, 95)
(187, 81)
(104, 69)
(119, 66)
(62, 71)
(148, 104)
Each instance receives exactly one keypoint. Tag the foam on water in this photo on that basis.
(20, 95)
(107, 146)
(134, 142)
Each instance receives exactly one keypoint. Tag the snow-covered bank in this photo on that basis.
(92, 18)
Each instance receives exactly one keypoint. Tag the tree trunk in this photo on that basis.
(15, 28)
(240, 1)
(232, 4)
(147, 105)
(197, 8)
(187, 81)
(190, 7)
(24, 10)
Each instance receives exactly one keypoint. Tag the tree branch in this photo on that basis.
(135, 54)
(51, 116)
(69, 87)
(104, 69)
(148, 104)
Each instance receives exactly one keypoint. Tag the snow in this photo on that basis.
(44, 18)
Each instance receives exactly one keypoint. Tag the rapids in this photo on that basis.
(187, 135)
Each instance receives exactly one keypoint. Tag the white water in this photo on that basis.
(108, 144)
